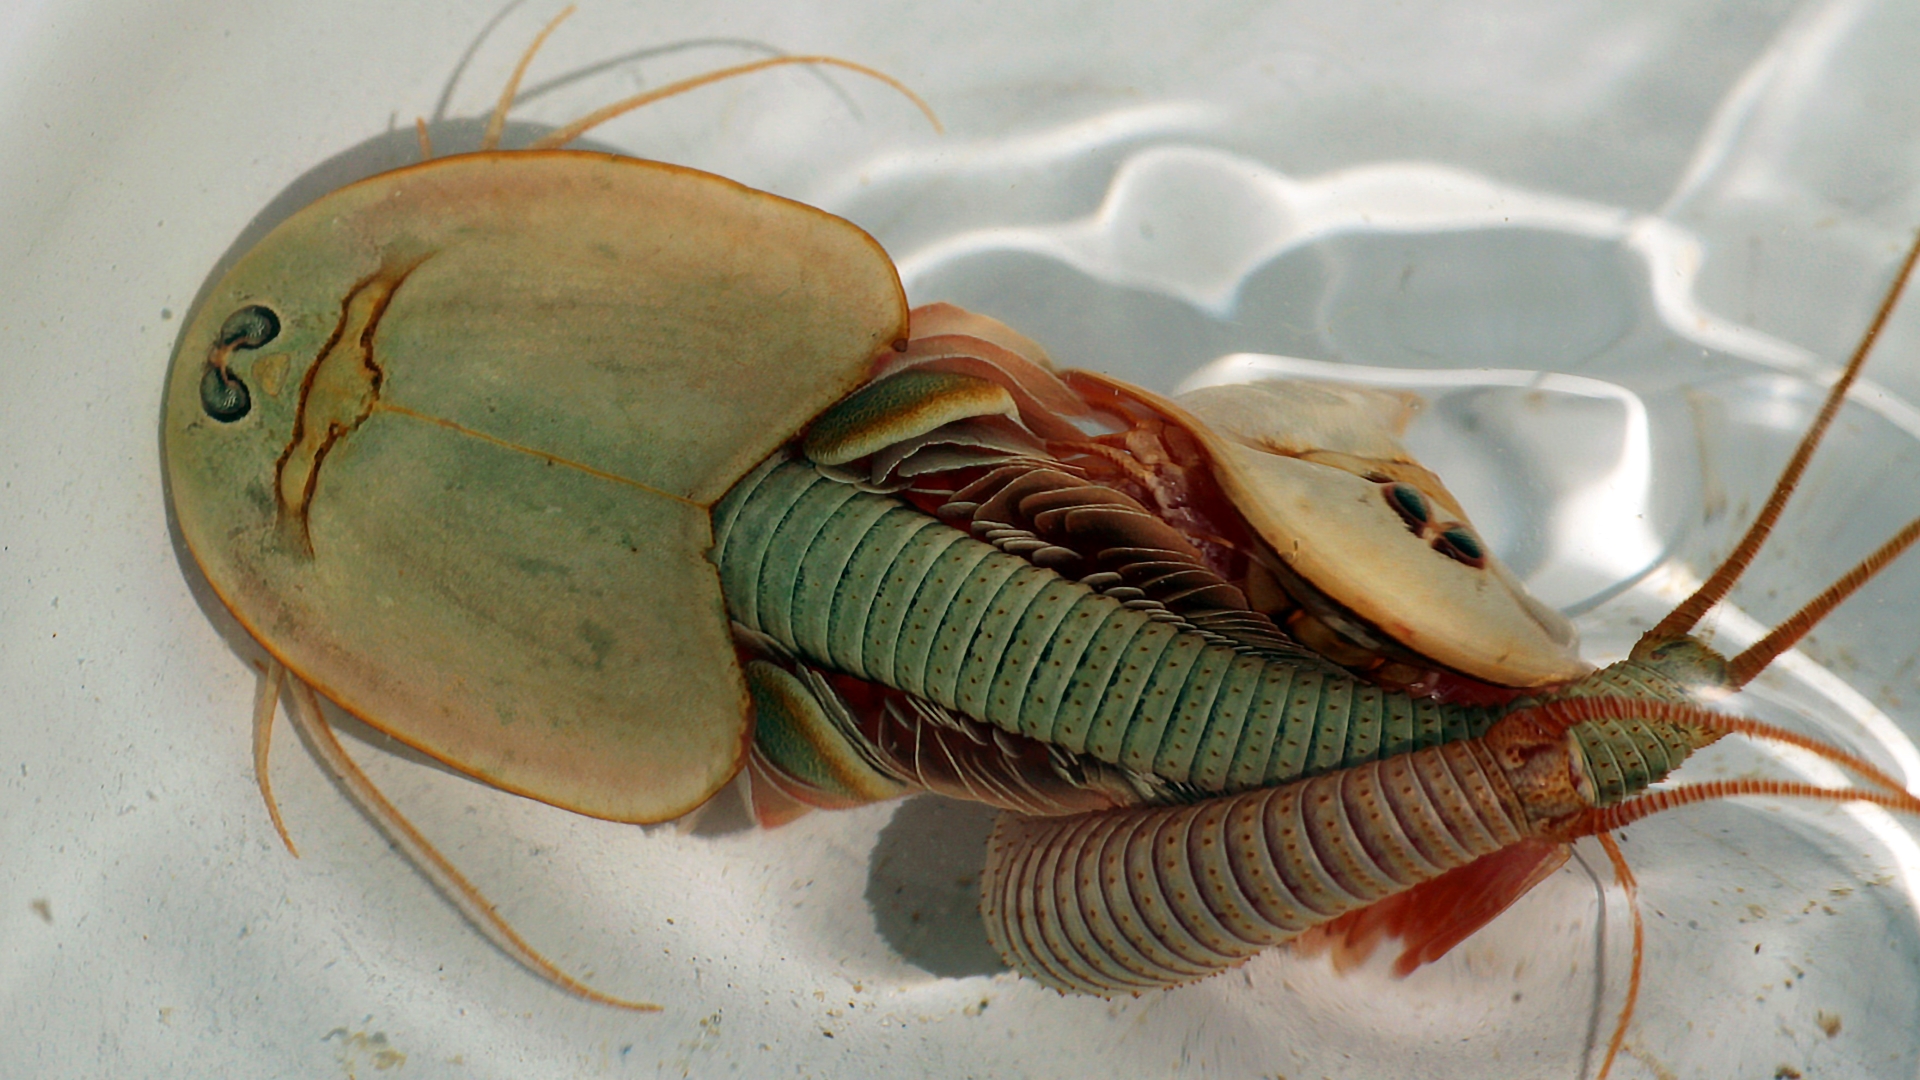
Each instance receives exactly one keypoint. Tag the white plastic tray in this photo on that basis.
(1661, 224)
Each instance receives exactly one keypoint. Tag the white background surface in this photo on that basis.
(1708, 198)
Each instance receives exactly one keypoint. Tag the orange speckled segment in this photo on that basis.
(1158, 896)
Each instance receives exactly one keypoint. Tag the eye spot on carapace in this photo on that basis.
(1460, 544)
(1452, 539)
(223, 396)
(249, 328)
(1410, 504)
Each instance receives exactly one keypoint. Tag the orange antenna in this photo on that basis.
(1626, 813)
(1558, 717)
(497, 123)
(1601, 823)
(565, 135)
(266, 703)
(1629, 885)
(1688, 614)
(311, 721)
(1744, 667)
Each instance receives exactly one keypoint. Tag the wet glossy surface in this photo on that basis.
(1657, 226)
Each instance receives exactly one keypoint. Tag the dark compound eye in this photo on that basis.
(1412, 505)
(223, 395)
(249, 328)
(1460, 543)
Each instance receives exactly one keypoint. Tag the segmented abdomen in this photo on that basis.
(1134, 899)
(867, 585)
(1624, 754)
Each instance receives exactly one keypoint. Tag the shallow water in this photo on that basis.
(1618, 248)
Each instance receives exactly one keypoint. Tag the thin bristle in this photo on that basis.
(497, 123)
(1683, 618)
(1561, 716)
(266, 703)
(426, 858)
(1631, 887)
(563, 136)
(1655, 802)
(1741, 669)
